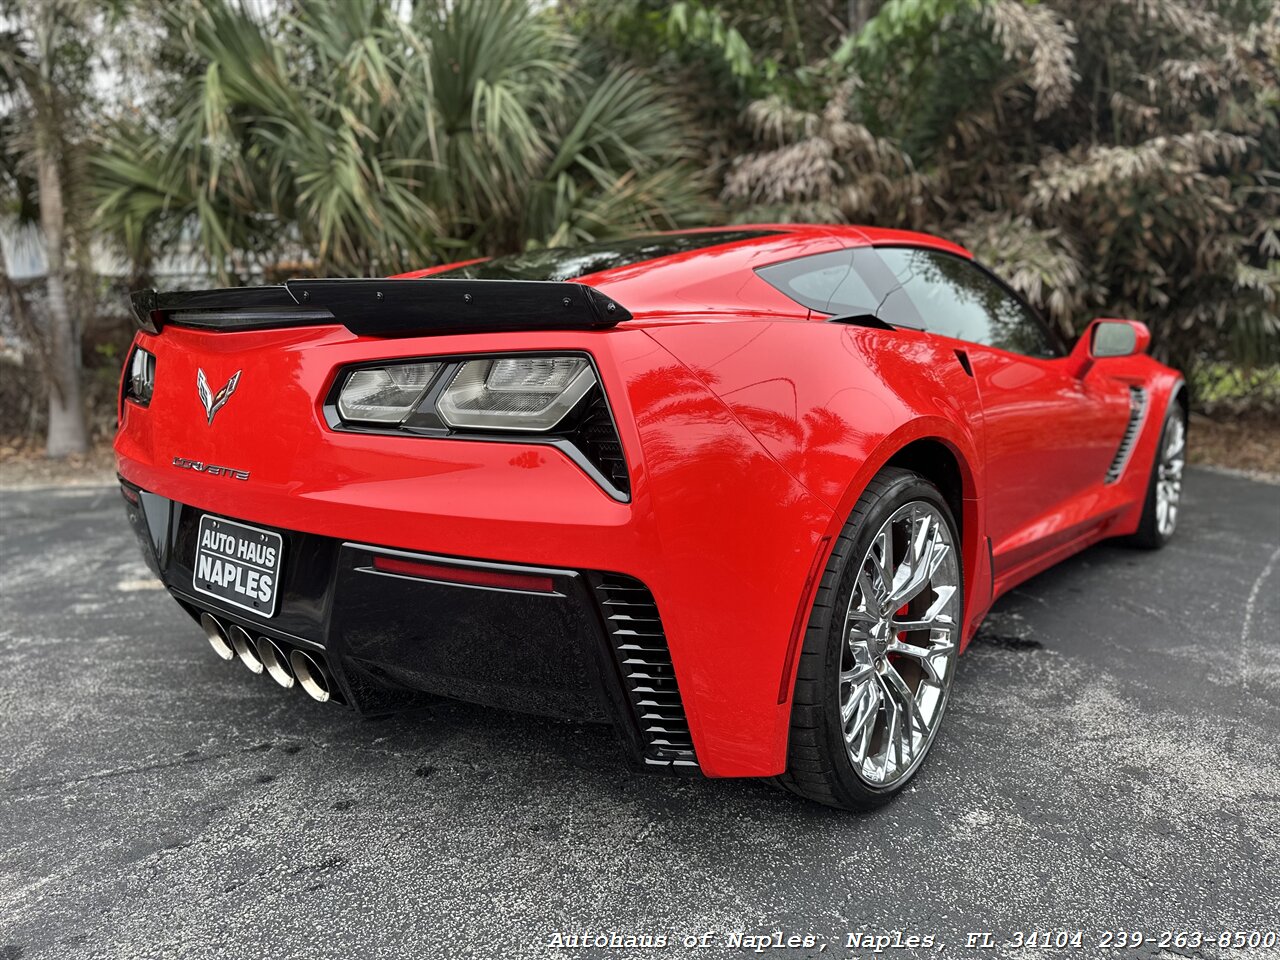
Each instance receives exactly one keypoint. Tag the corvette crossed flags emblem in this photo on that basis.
(214, 402)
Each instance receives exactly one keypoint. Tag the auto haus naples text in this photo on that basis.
(216, 562)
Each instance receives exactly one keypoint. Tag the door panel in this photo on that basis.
(1049, 434)
(1050, 437)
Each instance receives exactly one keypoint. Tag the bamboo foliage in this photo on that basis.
(1115, 158)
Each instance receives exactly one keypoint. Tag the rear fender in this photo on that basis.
(832, 405)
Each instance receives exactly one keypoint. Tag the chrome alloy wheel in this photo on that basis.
(1169, 476)
(901, 640)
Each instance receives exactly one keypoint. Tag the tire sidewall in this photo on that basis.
(1149, 534)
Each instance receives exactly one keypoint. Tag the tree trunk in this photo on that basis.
(860, 11)
(67, 432)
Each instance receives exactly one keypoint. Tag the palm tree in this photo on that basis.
(43, 72)
(368, 140)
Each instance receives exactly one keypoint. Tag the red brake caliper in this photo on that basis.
(901, 635)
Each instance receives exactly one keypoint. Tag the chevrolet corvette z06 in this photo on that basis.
(744, 493)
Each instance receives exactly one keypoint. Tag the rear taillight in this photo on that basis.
(555, 398)
(140, 378)
(515, 393)
(384, 395)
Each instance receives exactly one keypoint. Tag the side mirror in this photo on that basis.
(1106, 338)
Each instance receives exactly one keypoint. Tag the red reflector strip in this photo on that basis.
(129, 494)
(478, 578)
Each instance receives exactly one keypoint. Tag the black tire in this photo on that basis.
(818, 765)
(1149, 535)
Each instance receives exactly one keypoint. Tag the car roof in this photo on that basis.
(720, 278)
(776, 242)
(765, 240)
(853, 235)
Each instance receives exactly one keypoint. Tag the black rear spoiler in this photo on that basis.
(386, 308)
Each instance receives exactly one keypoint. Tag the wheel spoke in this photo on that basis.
(858, 733)
(898, 690)
(909, 566)
(933, 618)
(932, 552)
(929, 623)
(883, 562)
(857, 674)
(851, 704)
(862, 615)
(925, 656)
(892, 739)
(858, 626)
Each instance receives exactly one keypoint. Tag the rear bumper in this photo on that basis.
(585, 645)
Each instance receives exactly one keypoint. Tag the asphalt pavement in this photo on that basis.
(1111, 761)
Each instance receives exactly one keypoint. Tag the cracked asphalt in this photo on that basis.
(1111, 760)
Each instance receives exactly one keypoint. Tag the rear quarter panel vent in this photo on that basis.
(644, 662)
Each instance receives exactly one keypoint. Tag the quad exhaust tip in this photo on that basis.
(217, 635)
(285, 667)
(310, 675)
(245, 649)
(275, 662)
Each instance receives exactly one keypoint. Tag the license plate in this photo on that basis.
(238, 564)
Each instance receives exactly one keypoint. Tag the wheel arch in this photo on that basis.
(944, 454)
(940, 464)
(1182, 397)
(940, 452)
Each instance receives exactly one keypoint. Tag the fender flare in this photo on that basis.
(936, 429)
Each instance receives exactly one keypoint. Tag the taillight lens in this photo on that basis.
(384, 394)
(142, 376)
(515, 393)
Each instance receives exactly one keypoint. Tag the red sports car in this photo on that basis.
(745, 493)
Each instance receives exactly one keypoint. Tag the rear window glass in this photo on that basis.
(565, 263)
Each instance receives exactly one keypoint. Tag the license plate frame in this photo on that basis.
(233, 557)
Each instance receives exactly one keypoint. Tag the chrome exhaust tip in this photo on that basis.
(275, 662)
(217, 635)
(243, 645)
(310, 675)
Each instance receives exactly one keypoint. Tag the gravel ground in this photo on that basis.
(1110, 762)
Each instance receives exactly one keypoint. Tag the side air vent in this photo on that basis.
(597, 437)
(1137, 413)
(640, 647)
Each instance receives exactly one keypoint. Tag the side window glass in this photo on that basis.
(842, 283)
(810, 281)
(957, 299)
